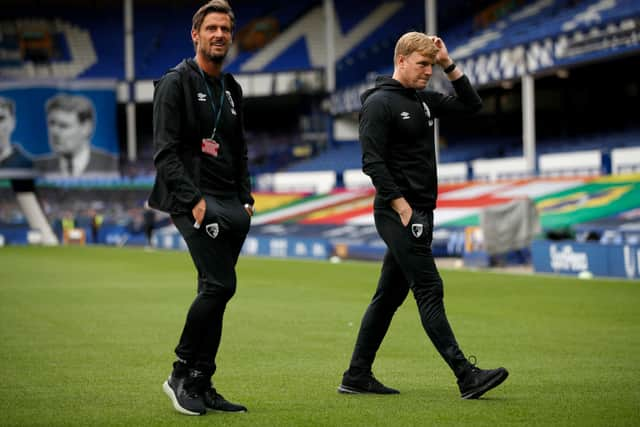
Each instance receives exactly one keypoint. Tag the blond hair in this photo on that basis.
(415, 42)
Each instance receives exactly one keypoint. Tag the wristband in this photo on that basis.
(450, 68)
(248, 206)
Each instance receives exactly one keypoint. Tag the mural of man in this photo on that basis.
(71, 124)
(15, 162)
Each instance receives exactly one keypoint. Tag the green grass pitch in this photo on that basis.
(87, 337)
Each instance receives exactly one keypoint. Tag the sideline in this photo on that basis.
(457, 264)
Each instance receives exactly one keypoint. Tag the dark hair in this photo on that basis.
(81, 105)
(220, 6)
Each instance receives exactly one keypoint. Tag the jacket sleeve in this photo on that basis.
(374, 137)
(465, 101)
(167, 126)
(243, 177)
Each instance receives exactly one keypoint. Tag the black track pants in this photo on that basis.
(408, 264)
(214, 249)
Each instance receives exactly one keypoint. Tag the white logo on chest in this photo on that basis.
(202, 97)
(405, 115)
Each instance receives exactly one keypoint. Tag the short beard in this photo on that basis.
(216, 59)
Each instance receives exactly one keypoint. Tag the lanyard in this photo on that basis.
(206, 85)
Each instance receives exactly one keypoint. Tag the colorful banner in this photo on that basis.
(58, 129)
(595, 200)
(558, 207)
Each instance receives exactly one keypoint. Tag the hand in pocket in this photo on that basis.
(198, 212)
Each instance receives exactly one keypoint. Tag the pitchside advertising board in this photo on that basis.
(268, 246)
(573, 258)
(58, 129)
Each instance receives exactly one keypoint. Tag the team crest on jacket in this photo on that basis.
(213, 229)
(231, 103)
(416, 230)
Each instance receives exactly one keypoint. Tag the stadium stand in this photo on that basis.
(57, 42)
(339, 157)
(499, 169)
(625, 160)
(162, 42)
(10, 212)
(295, 151)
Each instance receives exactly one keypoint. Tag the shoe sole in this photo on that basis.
(350, 390)
(174, 399)
(242, 411)
(493, 383)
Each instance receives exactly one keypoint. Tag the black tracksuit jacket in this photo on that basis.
(182, 117)
(397, 137)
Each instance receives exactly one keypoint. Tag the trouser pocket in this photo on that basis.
(420, 229)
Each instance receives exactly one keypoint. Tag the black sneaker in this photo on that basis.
(215, 401)
(365, 383)
(184, 393)
(477, 382)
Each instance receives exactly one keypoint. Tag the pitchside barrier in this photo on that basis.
(268, 246)
(573, 258)
(287, 247)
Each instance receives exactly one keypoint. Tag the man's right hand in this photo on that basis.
(198, 212)
(402, 207)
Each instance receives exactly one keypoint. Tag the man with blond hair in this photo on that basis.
(397, 137)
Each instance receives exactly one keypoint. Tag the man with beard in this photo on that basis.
(203, 182)
(396, 132)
